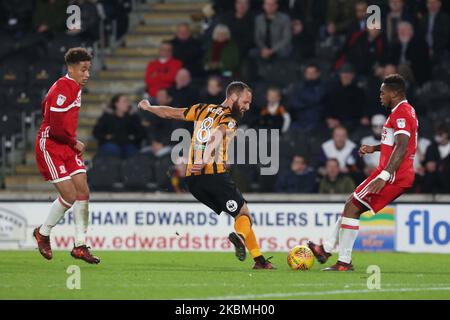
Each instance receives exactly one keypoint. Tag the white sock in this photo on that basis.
(81, 218)
(57, 210)
(347, 236)
(331, 242)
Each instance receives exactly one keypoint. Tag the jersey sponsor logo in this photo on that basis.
(401, 123)
(60, 100)
(387, 136)
(231, 205)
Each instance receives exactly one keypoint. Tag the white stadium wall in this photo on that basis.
(190, 226)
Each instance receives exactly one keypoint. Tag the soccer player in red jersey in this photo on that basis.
(393, 177)
(59, 155)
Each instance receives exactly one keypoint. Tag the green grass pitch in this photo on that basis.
(177, 275)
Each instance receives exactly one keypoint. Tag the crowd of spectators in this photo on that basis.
(316, 69)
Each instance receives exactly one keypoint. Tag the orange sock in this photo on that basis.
(243, 227)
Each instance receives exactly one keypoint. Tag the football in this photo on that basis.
(300, 258)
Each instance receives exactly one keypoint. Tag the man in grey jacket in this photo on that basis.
(273, 32)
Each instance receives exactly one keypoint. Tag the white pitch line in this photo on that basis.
(320, 293)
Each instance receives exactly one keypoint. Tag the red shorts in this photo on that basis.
(57, 162)
(376, 202)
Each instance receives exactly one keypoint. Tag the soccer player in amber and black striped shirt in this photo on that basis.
(206, 174)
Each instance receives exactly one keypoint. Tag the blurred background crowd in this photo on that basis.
(314, 66)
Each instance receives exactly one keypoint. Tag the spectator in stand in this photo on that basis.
(421, 151)
(359, 22)
(371, 160)
(410, 53)
(299, 179)
(160, 152)
(363, 50)
(214, 91)
(435, 29)
(342, 149)
(241, 25)
(118, 131)
(49, 17)
(222, 55)
(274, 115)
(345, 101)
(307, 99)
(397, 12)
(340, 14)
(182, 92)
(178, 178)
(303, 45)
(437, 163)
(188, 50)
(272, 32)
(372, 103)
(161, 73)
(154, 125)
(334, 182)
(309, 12)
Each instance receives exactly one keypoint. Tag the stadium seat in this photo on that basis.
(10, 123)
(44, 73)
(106, 173)
(138, 173)
(13, 73)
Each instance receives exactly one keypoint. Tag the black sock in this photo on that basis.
(260, 259)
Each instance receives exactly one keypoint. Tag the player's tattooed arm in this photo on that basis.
(397, 156)
(164, 112)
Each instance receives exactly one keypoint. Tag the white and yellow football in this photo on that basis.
(300, 258)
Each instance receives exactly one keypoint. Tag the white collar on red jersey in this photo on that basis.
(403, 101)
(68, 77)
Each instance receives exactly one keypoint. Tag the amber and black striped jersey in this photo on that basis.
(208, 117)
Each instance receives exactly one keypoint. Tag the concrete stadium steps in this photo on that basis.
(145, 40)
(122, 74)
(154, 29)
(158, 18)
(128, 63)
(116, 86)
(130, 53)
(185, 7)
(27, 183)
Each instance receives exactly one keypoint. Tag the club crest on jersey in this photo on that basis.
(401, 123)
(232, 205)
(231, 124)
(60, 100)
(62, 169)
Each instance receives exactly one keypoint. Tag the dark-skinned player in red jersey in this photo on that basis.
(59, 155)
(393, 177)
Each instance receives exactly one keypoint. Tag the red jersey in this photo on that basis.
(402, 120)
(60, 112)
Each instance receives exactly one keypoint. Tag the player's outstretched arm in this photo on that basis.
(164, 112)
(366, 149)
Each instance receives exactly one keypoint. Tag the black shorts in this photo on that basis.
(217, 191)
